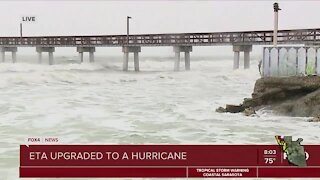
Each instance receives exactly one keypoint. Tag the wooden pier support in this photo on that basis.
(90, 50)
(241, 48)
(126, 50)
(49, 50)
(13, 51)
(186, 50)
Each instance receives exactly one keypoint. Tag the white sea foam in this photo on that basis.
(99, 104)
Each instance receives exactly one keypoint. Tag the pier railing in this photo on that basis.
(298, 36)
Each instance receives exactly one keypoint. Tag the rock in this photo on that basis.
(250, 102)
(308, 105)
(230, 108)
(234, 108)
(315, 119)
(308, 83)
(221, 110)
(294, 96)
(249, 111)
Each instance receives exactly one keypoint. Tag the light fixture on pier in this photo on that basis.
(275, 30)
(128, 18)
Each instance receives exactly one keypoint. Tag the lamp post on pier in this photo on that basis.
(128, 18)
(20, 30)
(275, 30)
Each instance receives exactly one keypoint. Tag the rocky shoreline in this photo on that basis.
(291, 96)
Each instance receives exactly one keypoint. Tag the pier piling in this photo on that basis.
(135, 50)
(186, 50)
(187, 60)
(236, 60)
(81, 57)
(136, 61)
(246, 57)
(90, 50)
(241, 48)
(51, 58)
(125, 61)
(13, 51)
(177, 61)
(3, 56)
(14, 57)
(91, 57)
(49, 50)
(39, 57)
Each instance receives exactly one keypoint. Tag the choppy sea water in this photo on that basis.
(99, 104)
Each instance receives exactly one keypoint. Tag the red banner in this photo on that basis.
(212, 161)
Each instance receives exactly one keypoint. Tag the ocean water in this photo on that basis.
(99, 104)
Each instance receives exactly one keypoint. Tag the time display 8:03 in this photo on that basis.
(270, 152)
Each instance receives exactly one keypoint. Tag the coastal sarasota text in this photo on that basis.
(108, 155)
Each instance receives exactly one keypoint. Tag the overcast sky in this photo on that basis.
(109, 17)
